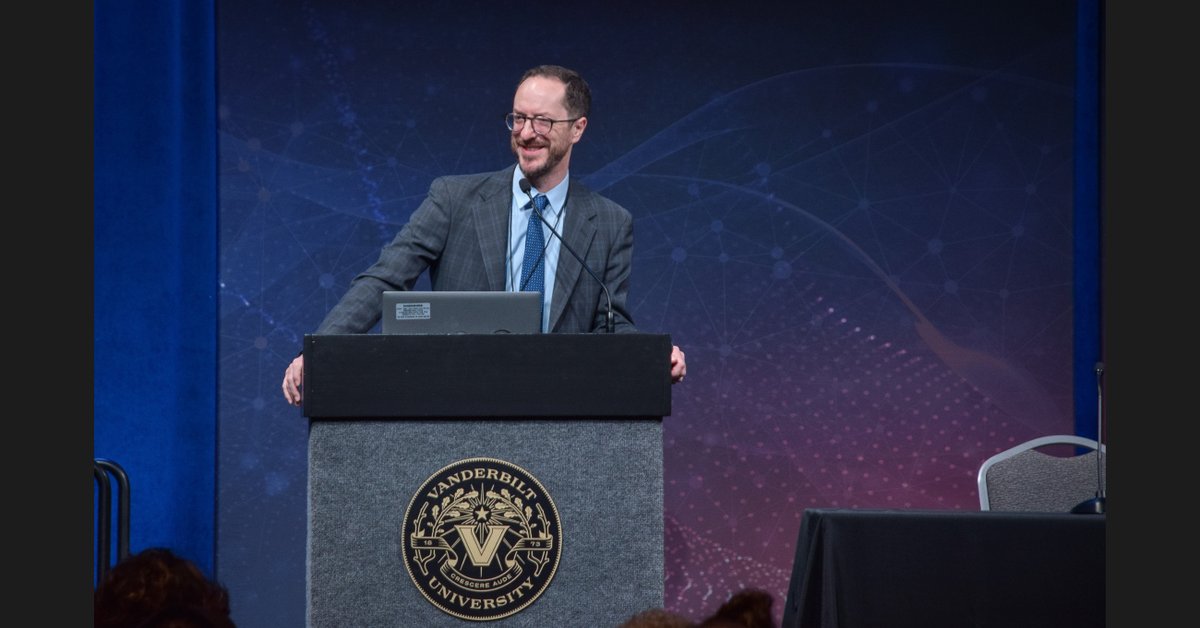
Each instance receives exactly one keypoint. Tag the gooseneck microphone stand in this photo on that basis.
(1096, 505)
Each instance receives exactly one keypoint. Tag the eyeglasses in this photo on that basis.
(541, 126)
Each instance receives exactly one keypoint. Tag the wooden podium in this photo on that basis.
(581, 413)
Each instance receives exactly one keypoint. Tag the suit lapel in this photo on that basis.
(491, 215)
(578, 231)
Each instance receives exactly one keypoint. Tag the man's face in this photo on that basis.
(544, 158)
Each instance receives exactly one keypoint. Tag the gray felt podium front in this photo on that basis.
(581, 414)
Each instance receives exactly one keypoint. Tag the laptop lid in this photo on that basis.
(461, 312)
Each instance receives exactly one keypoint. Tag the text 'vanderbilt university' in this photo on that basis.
(481, 539)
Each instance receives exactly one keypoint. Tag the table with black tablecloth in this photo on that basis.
(927, 568)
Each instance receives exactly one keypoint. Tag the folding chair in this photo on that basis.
(1047, 474)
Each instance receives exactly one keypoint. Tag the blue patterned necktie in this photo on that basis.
(533, 266)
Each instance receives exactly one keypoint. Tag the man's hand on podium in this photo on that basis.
(678, 365)
(293, 377)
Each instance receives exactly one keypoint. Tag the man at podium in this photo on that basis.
(507, 230)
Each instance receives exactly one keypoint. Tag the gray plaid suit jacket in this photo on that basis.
(460, 232)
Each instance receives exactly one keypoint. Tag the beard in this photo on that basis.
(555, 153)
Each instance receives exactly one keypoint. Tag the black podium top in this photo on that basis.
(490, 375)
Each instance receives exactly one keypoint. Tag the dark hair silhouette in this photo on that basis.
(657, 618)
(749, 608)
(155, 588)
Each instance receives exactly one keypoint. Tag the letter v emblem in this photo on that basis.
(481, 556)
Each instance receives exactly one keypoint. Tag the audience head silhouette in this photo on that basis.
(156, 588)
(657, 618)
(748, 608)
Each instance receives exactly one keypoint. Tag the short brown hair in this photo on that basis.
(578, 99)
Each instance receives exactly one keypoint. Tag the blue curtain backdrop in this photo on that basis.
(906, 196)
(1088, 258)
(155, 272)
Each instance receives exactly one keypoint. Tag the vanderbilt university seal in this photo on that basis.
(481, 539)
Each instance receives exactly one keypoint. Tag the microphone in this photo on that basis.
(1096, 505)
(526, 187)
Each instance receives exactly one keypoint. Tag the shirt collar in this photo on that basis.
(556, 195)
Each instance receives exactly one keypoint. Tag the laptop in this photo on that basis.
(461, 312)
